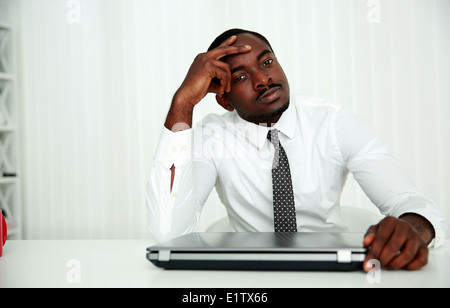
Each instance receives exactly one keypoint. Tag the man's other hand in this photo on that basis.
(399, 243)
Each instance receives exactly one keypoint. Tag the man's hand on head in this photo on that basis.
(399, 243)
(208, 74)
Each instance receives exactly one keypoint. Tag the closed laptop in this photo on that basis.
(312, 251)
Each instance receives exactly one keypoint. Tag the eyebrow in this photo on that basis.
(237, 68)
(240, 67)
(262, 54)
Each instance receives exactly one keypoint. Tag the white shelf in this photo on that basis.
(10, 190)
(4, 25)
(6, 76)
(8, 180)
(7, 128)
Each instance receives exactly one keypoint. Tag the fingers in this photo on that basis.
(419, 261)
(226, 49)
(369, 239)
(220, 76)
(381, 238)
(209, 75)
(412, 257)
(223, 75)
(223, 51)
(396, 245)
(229, 41)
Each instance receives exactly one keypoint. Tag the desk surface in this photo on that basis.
(123, 263)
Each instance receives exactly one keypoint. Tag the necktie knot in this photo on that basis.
(272, 135)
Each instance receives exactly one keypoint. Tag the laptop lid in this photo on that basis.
(261, 251)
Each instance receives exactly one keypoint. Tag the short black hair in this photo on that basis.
(235, 31)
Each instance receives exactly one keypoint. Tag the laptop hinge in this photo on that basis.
(344, 256)
(164, 256)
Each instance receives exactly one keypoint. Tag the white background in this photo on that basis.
(94, 93)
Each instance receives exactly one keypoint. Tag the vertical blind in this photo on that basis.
(96, 78)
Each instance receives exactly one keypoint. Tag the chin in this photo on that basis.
(271, 115)
(278, 110)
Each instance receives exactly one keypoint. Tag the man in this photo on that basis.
(315, 143)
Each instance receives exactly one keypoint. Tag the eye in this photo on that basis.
(239, 78)
(268, 62)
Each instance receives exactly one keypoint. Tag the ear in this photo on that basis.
(222, 100)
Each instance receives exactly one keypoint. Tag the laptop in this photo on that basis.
(306, 251)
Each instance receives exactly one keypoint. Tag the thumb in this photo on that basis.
(367, 242)
(370, 235)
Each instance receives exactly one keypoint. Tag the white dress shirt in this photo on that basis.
(323, 142)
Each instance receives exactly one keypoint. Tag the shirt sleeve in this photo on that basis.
(174, 212)
(380, 175)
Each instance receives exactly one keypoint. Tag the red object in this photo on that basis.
(3, 232)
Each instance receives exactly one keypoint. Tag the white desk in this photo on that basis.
(123, 263)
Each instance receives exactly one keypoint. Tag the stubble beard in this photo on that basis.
(265, 119)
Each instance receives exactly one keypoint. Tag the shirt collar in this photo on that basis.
(286, 123)
(257, 134)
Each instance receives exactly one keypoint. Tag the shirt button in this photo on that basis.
(174, 149)
(185, 147)
(174, 195)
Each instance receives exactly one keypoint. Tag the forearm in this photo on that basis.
(171, 214)
(177, 212)
(421, 225)
(174, 149)
(180, 114)
(179, 118)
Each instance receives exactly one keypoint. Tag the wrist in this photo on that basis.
(180, 115)
(421, 225)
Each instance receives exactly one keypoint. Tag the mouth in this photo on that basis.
(270, 96)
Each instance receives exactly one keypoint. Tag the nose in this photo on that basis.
(261, 79)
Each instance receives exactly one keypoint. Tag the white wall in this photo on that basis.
(94, 94)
